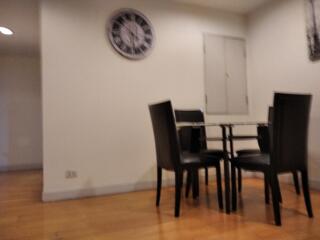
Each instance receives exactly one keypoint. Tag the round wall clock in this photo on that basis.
(131, 33)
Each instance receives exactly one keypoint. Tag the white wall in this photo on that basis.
(20, 112)
(95, 102)
(278, 61)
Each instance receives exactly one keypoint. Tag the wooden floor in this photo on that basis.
(134, 215)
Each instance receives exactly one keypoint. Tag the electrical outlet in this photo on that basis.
(71, 174)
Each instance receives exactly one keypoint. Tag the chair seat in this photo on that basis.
(248, 152)
(190, 160)
(253, 161)
(213, 152)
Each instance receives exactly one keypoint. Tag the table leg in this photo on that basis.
(233, 172)
(226, 170)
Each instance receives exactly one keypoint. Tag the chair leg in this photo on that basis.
(306, 192)
(181, 185)
(206, 176)
(266, 188)
(189, 182)
(195, 183)
(296, 182)
(178, 180)
(279, 190)
(219, 186)
(159, 183)
(239, 180)
(234, 187)
(275, 198)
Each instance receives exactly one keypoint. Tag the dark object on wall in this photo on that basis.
(131, 33)
(313, 28)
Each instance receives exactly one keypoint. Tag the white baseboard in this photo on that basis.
(125, 188)
(112, 189)
(314, 184)
(99, 191)
(22, 167)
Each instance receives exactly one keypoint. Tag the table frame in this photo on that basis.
(226, 160)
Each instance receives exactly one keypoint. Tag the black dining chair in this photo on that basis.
(169, 155)
(194, 140)
(187, 139)
(264, 147)
(288, 148)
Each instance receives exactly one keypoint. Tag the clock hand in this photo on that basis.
(135, 33)
(130, 40)
(130, 31)
(122, 25)
(143, 35)
(134, 46)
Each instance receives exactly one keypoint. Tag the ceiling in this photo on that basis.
(236, 6)
(22, 17)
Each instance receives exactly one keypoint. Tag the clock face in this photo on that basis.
(131, 34)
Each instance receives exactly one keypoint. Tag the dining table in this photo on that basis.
(227, 136)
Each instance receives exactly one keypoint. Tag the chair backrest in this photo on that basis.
(165, 135)
(263, 139)
(289, 147)
(187, 141)
(270, 114)
(264, 135)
